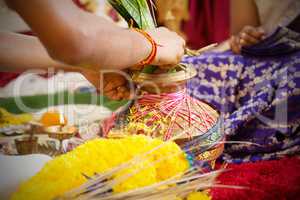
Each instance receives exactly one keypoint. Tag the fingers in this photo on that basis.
(235, 45)
(119, 93)
(178, 47)
(247, 37)
(115, 87)
(123, 92)
(247, 40)
(250, 36)
(113, 82)
(182, 44)
(170, 49)
(112, 94)
(253, 32)
(122, 89)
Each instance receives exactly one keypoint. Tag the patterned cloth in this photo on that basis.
(259, 98)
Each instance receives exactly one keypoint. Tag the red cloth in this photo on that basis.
(278, 180)
(6, 77)
(209, 22)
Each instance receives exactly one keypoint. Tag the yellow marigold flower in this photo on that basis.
(140, 169)
(198, 196)
(65, 172)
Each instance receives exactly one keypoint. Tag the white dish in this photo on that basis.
(17, 169)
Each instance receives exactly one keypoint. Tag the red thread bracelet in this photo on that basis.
(153, 53)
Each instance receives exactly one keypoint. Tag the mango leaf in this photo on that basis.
(134, 11)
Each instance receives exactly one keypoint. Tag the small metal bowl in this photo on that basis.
(60, 133)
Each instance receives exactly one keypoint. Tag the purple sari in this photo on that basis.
(258, 94)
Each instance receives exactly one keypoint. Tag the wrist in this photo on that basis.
(142, 46)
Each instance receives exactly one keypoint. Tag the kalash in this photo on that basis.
(164, 110)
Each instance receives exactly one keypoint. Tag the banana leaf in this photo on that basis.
(136, 12)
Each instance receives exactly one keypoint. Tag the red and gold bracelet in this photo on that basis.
(152, 55)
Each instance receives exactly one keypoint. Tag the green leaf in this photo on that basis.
(149, 69)
(136, 11)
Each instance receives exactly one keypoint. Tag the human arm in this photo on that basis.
(75, 37)
(244, 24)
(243, 13)
(22, 52)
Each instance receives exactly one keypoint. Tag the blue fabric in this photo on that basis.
(258, 97)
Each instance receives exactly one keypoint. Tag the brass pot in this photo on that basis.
(164, 82)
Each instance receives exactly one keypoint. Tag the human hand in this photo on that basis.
(114, 84)
(248, 36)
(170, 47)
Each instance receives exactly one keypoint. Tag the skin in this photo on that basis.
(32, 54)
(21, 52)
(73, 40)
(78, 38)
(245, 25)
(114, 85)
